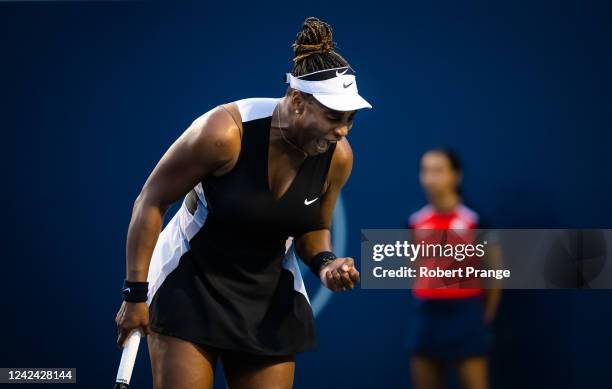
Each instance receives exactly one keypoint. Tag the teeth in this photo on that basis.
(321, 144)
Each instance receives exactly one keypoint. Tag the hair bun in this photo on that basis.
(314, 38)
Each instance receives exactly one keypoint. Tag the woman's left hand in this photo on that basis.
(339, 275)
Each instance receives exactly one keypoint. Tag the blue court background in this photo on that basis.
(93, 93)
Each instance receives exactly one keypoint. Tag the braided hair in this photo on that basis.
(314, 48)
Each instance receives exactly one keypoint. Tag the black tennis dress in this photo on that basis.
(222, 272)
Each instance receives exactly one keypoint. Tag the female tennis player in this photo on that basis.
(452, 323)
(218, 282)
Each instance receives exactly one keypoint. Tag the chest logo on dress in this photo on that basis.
(308, 202)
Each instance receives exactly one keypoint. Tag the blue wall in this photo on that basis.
(93, 93)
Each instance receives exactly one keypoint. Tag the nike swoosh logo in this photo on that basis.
(306, 202)
(339, 74)
(346, 86)
(126, 290)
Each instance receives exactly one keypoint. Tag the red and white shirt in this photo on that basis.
(428, 226)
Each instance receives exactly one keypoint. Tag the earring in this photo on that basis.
(296, 111)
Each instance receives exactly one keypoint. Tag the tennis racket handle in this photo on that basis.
(128, 358)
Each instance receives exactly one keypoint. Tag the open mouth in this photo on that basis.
(322, 145)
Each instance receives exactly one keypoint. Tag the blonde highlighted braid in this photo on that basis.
(314, 48)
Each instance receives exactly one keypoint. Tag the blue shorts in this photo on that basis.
(448, 329)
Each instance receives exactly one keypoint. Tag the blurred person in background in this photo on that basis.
(452, 319)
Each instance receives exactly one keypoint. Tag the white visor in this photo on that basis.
(334, 88)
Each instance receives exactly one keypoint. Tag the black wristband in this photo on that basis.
(318, 260)
(135, 292)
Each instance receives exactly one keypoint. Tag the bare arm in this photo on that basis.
(209, 146)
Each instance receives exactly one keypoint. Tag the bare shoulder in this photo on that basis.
(341, 163)
(217, 126)
(342, 159)
(216, 135)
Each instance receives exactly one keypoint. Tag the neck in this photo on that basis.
(283, 134)
(445, 202)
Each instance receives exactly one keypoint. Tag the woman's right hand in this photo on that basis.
(131, 316)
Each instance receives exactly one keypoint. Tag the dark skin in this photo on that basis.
(211, 146)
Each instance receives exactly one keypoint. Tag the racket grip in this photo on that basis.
(128, 358)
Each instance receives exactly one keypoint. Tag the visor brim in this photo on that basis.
(342, 102)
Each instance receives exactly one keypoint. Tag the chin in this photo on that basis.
(313, 153)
